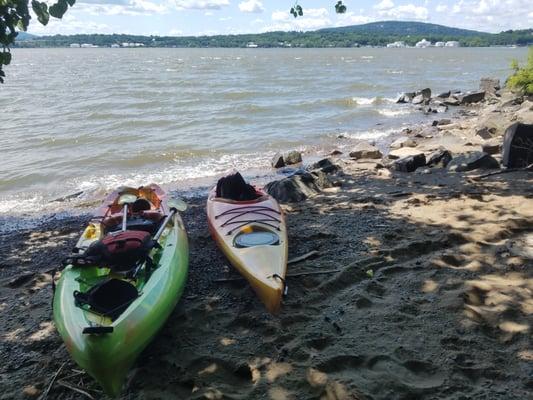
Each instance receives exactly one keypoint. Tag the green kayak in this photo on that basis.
(107, 317)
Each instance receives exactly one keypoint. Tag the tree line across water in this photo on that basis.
(340, 37)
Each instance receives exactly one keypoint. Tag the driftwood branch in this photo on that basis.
(75, 389)
(54, 377)
(305, 256)
(295, 275)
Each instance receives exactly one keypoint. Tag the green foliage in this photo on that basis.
(296, 11)
(522, 79)
(340, 8)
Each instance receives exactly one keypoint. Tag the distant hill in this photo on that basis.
(404, 28)
(373, 34)
(25, 36)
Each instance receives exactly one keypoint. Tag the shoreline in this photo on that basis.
(429, 293)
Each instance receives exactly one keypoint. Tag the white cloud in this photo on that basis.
(251, 6)
(280, 16)
(491, 15)
(350, 18)
(406, 11)
(68, 25)
(384, 5)
(121, 7)
(313, 18)
(201, 4)
(441, 8)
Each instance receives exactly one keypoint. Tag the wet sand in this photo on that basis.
(429, 295)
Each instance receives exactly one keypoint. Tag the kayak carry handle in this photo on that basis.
(97, 330)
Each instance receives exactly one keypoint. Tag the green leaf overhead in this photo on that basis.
(59, 9)
(40, 9)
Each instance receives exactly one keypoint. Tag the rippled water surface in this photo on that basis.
(90, 119)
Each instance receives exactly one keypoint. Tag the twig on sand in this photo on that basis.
(503, 171)
(75, 388)
(54, 377)
(305, 256)
(328, 271)
(295, 275)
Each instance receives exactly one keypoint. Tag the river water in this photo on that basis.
(88, 120)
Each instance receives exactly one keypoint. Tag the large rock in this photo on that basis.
(405, 97)
(365, 150)
(403, 142)
(444, 95)
(489, 85)
(491, 147)
(439, 158)
(474, 97)
(298, 186)
(420, 99)
(426, 93)
(278, 161)
(518, 146)
(452, 101)
(410, 163)
(471, 161)
(486, 132)
(325, 165)
(403, 152)
(293, 157)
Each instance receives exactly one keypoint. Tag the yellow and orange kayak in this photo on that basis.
(253, 236)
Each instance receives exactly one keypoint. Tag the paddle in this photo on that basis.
(175, 205)
(126, 199)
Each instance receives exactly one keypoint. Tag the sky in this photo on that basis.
(209, 17)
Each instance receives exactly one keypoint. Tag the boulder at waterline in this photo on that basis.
(293, 157)
(472, 161)
(489, 85)
(444, 95)
(403, 152)
(325, 165)
(491, 147)
(365, 150)
(439, 158)
(298, 186)
(278, 161)
(403, 142)
(410, 163)
(405, 97)
(474, 97)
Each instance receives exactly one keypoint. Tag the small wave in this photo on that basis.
(366, 101)
(394, 72)
(395, 112)
(371, 133)
(367, 57)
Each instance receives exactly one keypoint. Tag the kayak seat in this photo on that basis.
(234, 187)
(147, 221)
(109, 297)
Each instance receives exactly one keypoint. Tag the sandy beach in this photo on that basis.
(419, 286)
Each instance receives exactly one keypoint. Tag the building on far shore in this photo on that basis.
(397, 44)
(423, 43)
(88, 45)
(440, 44)
(74, 45)
(453, 43)
(114, 45)
(251, 45)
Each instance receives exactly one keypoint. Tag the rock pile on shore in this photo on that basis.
(474, 141)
